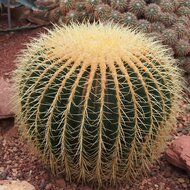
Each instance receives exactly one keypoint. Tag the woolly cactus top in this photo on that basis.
(96, 43)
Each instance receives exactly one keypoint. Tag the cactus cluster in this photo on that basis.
(97, 101)
(150, 16)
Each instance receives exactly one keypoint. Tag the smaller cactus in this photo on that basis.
(176, 4)
(80, 6)
(54, 15)
(71, 16)
(184, 20)
(180, 29)
(129, 19)
(156, 36)
(102, 11)
(168, 18)
(182, 47)
(185, 3)
(184, 63)
(183, 11)
(157, 26)
(91, 4)
(152, 12)
(169, 37)
(83, 16)
(120, 5)
(66, 5)
(144, 25)
(115, 16)
(137, 7)
(167, 6)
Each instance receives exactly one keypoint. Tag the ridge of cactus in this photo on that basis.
(97, 101)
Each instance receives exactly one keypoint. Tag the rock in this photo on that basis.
(61, 182)
(42, 184)
(178, 153)
(15, 185)
(48, 186)
(6, 106)
(3, 173)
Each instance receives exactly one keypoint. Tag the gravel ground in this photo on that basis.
(16, 162)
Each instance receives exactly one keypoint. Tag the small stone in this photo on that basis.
(161, 186)
(3, 173)
(42, 184)
(167, 173)
(155, 185)
(61, 182)
(48, 186)
(15, 185)
(15, 149)
(181, 180)
(6, 107)
(178, 153)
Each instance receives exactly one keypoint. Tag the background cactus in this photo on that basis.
(97, 101)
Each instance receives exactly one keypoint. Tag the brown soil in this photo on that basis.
(17, 163)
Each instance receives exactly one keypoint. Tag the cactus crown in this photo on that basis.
(97, 100)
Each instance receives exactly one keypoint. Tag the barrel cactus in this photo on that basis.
(97, 101)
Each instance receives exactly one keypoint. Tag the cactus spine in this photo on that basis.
(97, 101)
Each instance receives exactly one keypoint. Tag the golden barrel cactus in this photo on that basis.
(97, 101)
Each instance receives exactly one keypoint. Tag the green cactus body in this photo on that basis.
(97, 101)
